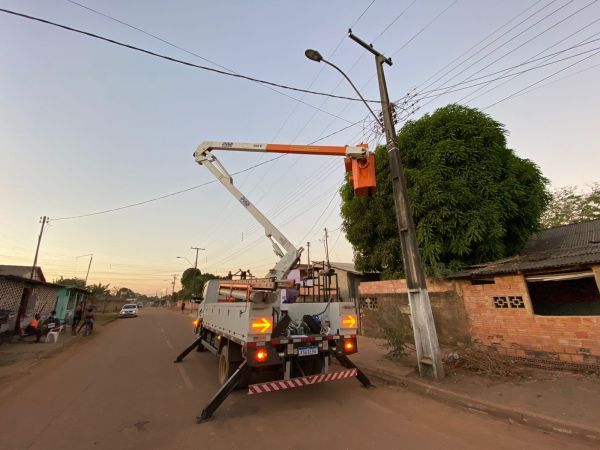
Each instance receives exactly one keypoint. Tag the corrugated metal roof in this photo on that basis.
(559, 247)
(21, 271)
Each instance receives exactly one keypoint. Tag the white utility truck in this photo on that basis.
(263, 339)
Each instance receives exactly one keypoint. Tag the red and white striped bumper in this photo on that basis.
(292, 383)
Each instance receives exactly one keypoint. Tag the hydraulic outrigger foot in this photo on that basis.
(184, 353)
(223, 392)
(345, 361)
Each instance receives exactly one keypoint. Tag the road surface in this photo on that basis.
(120, 390)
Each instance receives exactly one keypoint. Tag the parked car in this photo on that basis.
(129, 310)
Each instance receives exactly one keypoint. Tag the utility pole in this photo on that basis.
(173, 287)
(194, 294)
(326, 246)
(308, 257)
(44, 221)
(426, 341)
(91, 255)
(197, 250)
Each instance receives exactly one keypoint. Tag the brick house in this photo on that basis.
(542, 305)
(17, 291)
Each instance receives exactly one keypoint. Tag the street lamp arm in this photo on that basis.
(316, 56)
(183, 257)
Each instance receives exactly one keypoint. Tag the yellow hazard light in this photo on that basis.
(262, 325)
(349, 321)
(196, 322)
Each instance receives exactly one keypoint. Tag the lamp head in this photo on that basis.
(313, 55)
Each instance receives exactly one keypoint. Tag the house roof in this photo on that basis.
(559, 247)
(22, 271)
(27, 281)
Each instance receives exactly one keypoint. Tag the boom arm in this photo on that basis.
(358, 159)
(287, 252)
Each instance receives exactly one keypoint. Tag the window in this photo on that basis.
(568, 294)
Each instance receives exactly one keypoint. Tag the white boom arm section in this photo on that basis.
(281, 245)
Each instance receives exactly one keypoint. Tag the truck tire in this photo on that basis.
(226, 368)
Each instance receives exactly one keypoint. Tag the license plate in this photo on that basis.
(307, 351)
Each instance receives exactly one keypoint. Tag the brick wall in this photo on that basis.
(384, 298)
(518, 332)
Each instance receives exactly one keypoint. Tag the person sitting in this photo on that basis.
(33, 328)
(51, 322)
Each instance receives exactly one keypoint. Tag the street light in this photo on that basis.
(314, 55)
(426, 340)
(183, 257)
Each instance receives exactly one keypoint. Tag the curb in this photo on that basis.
(540, 421)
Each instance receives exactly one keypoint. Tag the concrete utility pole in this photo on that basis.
(44, 221)
(197, 250)
(326, 243)
(194, 294)
(173, 287)
(91, 255)
(426, 341)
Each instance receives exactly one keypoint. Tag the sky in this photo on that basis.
(86, 126)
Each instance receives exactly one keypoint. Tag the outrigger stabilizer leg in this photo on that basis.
(345, 361)
(184, 353)
(223, 393)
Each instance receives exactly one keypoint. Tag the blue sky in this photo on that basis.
(87, 126)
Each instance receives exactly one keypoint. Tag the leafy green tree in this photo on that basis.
(70, 282)
(472, 198)
(572, 205)
(99, 289)
(192, 281)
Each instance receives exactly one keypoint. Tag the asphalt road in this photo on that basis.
(119, 389)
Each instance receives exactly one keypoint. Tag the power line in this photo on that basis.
(106, 211)
(179, 61)
(487, 45)
(514, 94)
(425, 27)
(472, 47)
(584, 42)
(450, 89)
(394, 21)
(511, 39)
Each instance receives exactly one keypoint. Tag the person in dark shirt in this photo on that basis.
(51, 322)
(76, 319)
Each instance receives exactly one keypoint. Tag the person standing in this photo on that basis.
(76, 319)
(182, 306)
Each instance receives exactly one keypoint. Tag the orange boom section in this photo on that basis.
(326, 150)
(362, 169)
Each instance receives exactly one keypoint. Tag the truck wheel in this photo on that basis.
(226, 368)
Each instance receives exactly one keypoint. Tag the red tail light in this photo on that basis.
(349, 346)
(261, 355)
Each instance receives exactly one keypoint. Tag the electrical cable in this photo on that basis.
(509, 40)
(179, 61)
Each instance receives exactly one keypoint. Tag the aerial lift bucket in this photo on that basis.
(363, 174)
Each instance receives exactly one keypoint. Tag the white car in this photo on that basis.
(129, 310)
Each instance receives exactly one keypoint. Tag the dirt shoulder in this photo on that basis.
(19, 359)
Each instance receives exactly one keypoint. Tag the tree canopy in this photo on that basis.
(70, 282)
(472, 198)
(572, 205)
(192, 282)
